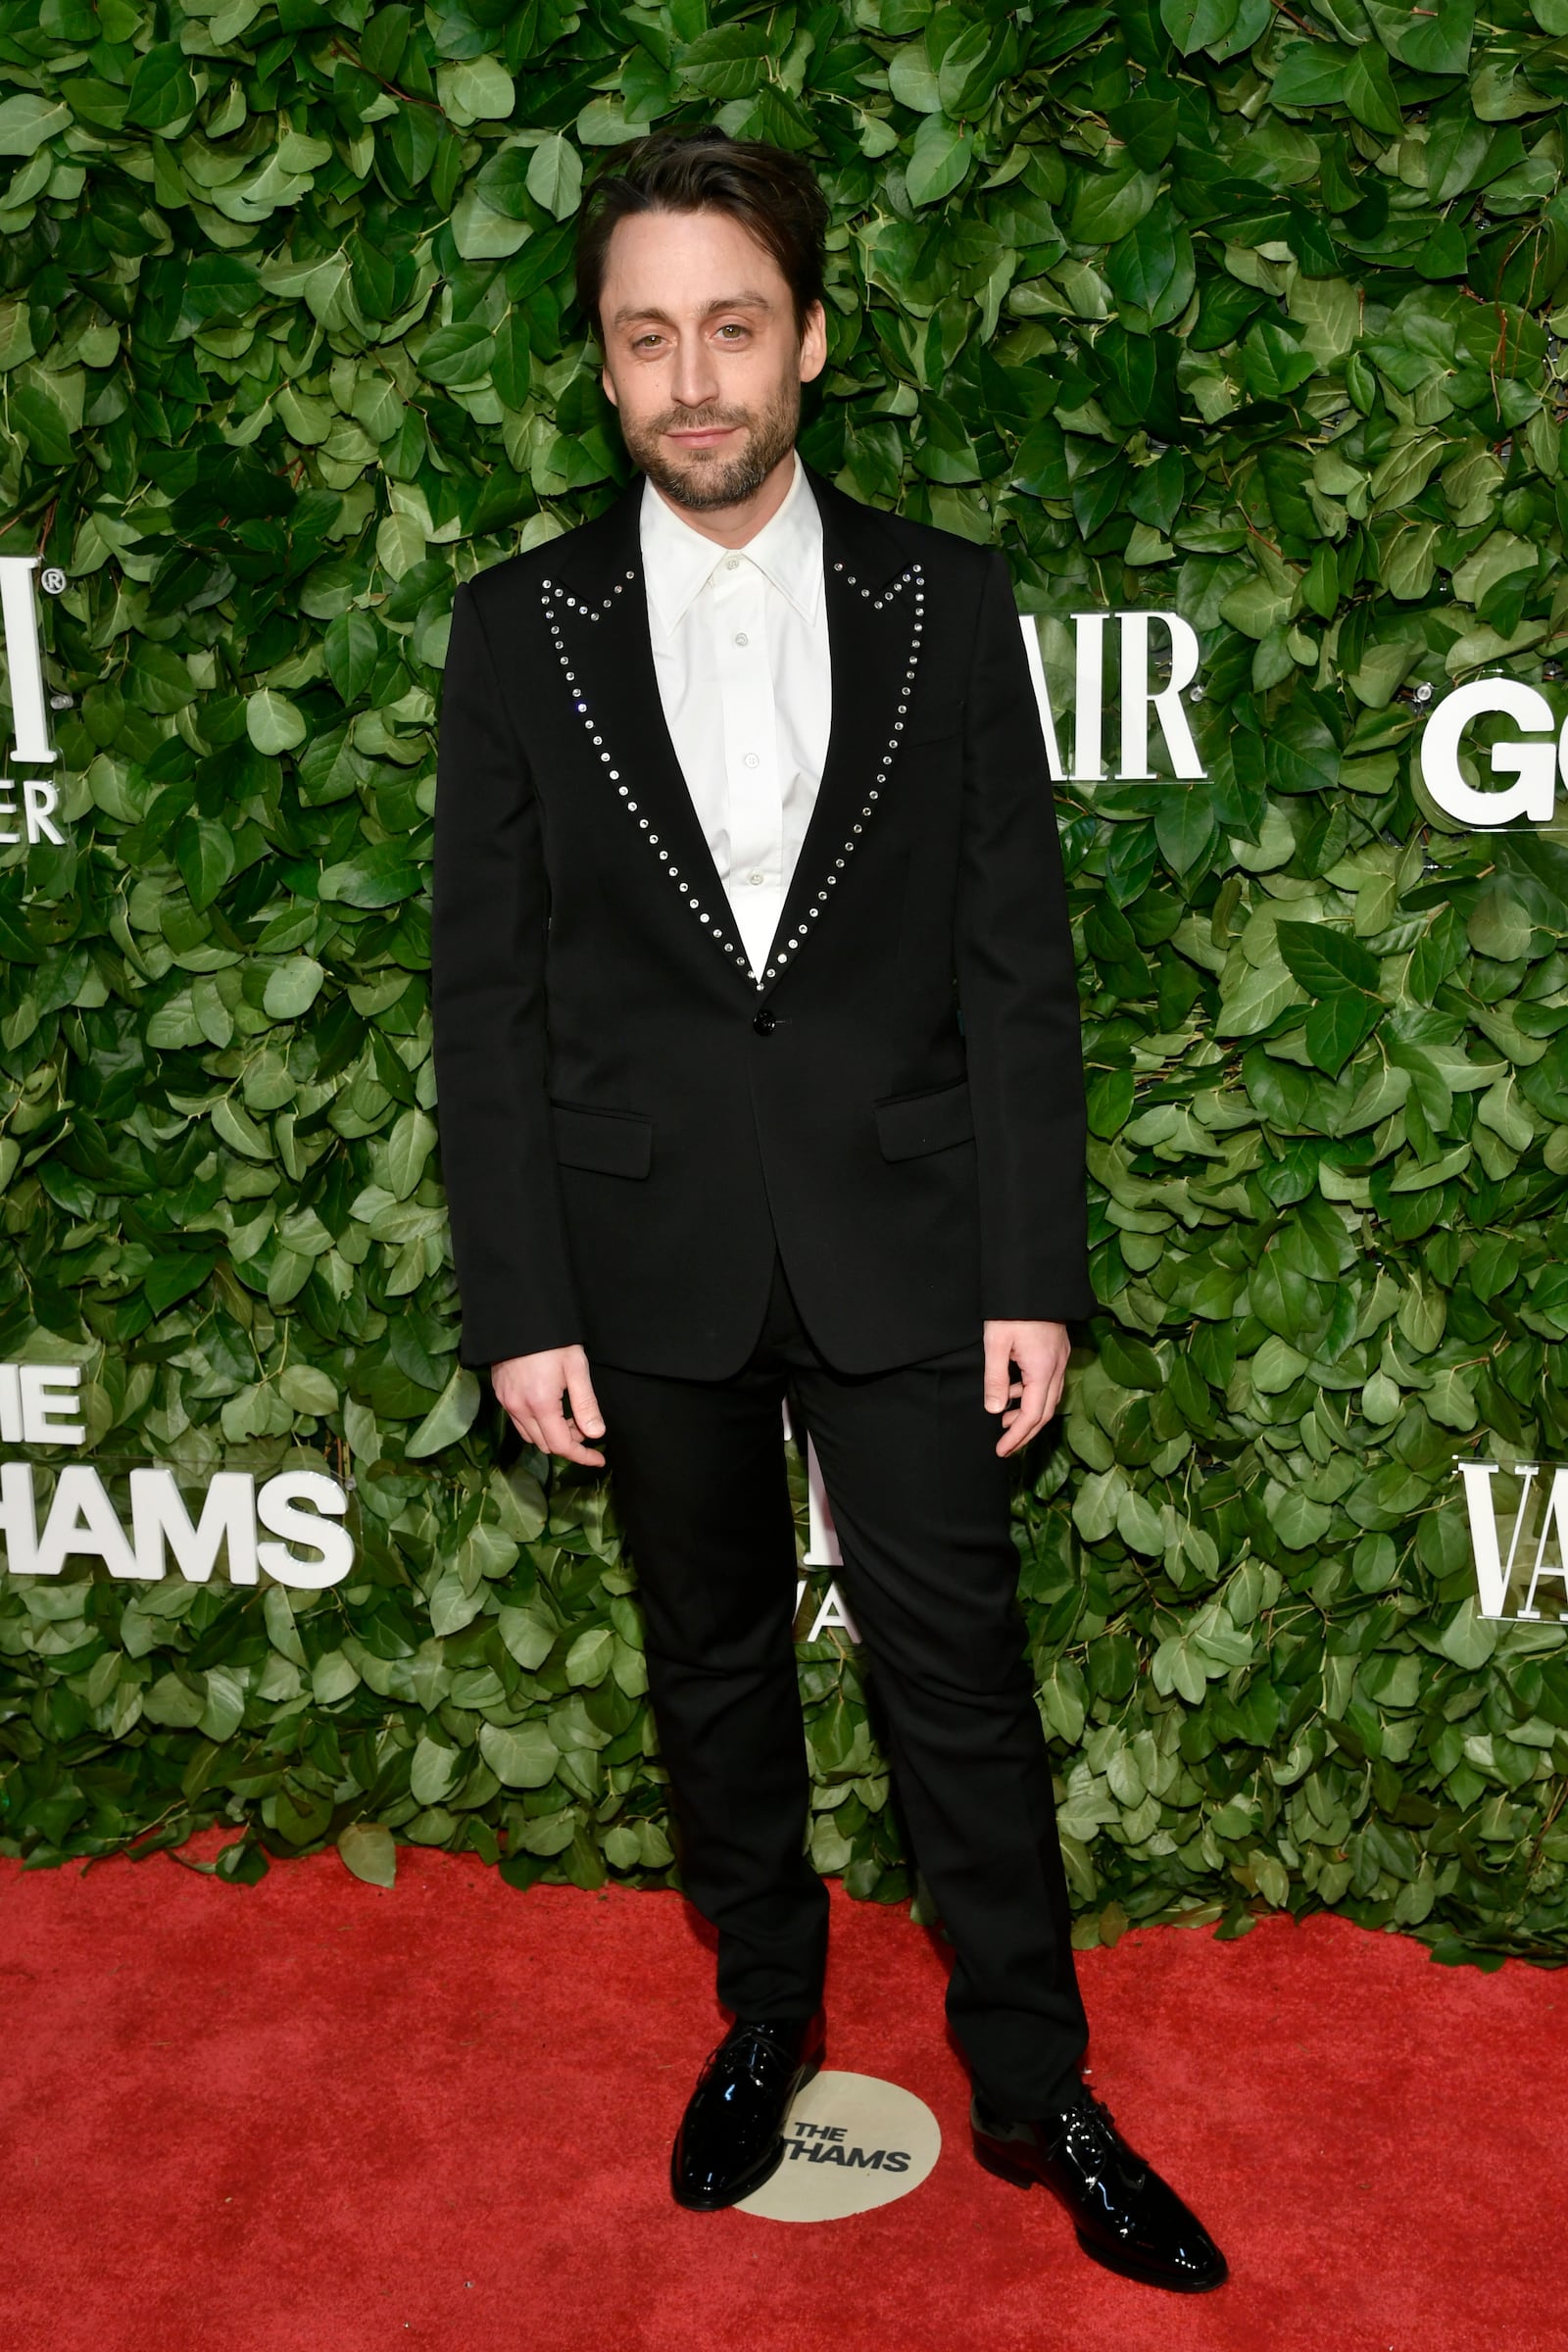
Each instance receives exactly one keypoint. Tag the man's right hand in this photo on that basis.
(531, 1389)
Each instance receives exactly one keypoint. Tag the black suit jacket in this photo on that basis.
(627, 1116)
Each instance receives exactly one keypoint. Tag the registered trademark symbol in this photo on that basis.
(54, 580)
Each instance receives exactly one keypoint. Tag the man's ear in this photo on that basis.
(610, 389)
(813, 343)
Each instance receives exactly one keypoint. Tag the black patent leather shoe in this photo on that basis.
(1126, 2215)
(731, 2137)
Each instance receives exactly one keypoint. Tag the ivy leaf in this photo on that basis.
(1275, 364)
(376, 876)
(1143, 263)
(939, 162)
(1311, 74)
(350, 648)
(477, 89)
(292, 988)
(272, 722)
(1146, 129)
(727, 63)
(369, 1851)
(204, 853)
(1194, 25)
(588, 1659)
(555, 176)
(168, 1280)
(1327, 963)
(29, 119)
(521, 1755)
(449, 1417)
(913, 79)
(1369, 91)
(1110, 204)
(1336, 1026)
(162, 91)
(409, 1149)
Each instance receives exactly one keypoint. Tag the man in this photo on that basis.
(760, 1076)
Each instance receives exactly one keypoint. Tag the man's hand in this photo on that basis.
(531, 1388)
(1040, 1350)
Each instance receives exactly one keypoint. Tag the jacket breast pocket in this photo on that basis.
(612, 1143)
(935, 723)
(909, 1125)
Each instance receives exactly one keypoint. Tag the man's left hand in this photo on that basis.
(1027, 1399)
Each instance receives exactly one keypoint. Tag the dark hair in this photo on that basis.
(773, 195)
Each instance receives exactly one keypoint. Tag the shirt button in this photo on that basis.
(732, 564)
(756, 878)
(741, 637)
(751, 759)
(765, 1021)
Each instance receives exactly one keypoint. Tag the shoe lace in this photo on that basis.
(1092, 2124)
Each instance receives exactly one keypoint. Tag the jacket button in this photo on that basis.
(765, 1021)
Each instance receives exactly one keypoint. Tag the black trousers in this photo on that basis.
(920, 1501)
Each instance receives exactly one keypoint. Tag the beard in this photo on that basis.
(706, 478)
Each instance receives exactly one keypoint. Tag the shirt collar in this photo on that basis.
(679, 562)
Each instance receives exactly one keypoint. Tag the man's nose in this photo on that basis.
(695, 384)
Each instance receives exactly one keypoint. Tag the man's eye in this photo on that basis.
(732, 329)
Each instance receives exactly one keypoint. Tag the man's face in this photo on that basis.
(702, 356)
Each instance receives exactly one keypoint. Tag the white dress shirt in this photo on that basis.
(741, 655)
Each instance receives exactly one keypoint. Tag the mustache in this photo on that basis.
(689, 421)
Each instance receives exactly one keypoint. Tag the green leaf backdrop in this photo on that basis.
(1211, 306)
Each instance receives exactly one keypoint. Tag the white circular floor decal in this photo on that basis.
(850, 2142)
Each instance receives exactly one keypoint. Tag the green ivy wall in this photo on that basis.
(1210, 306)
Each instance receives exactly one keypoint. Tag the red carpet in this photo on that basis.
(311, 2116)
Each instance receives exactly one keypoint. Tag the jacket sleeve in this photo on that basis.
(491, 912)
(1017, 990)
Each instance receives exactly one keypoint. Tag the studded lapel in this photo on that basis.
(596, 611)
(595, 608)
(876, 622)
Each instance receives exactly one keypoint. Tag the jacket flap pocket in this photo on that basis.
(911, 1124)
(612, 1143)
(933, 724)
